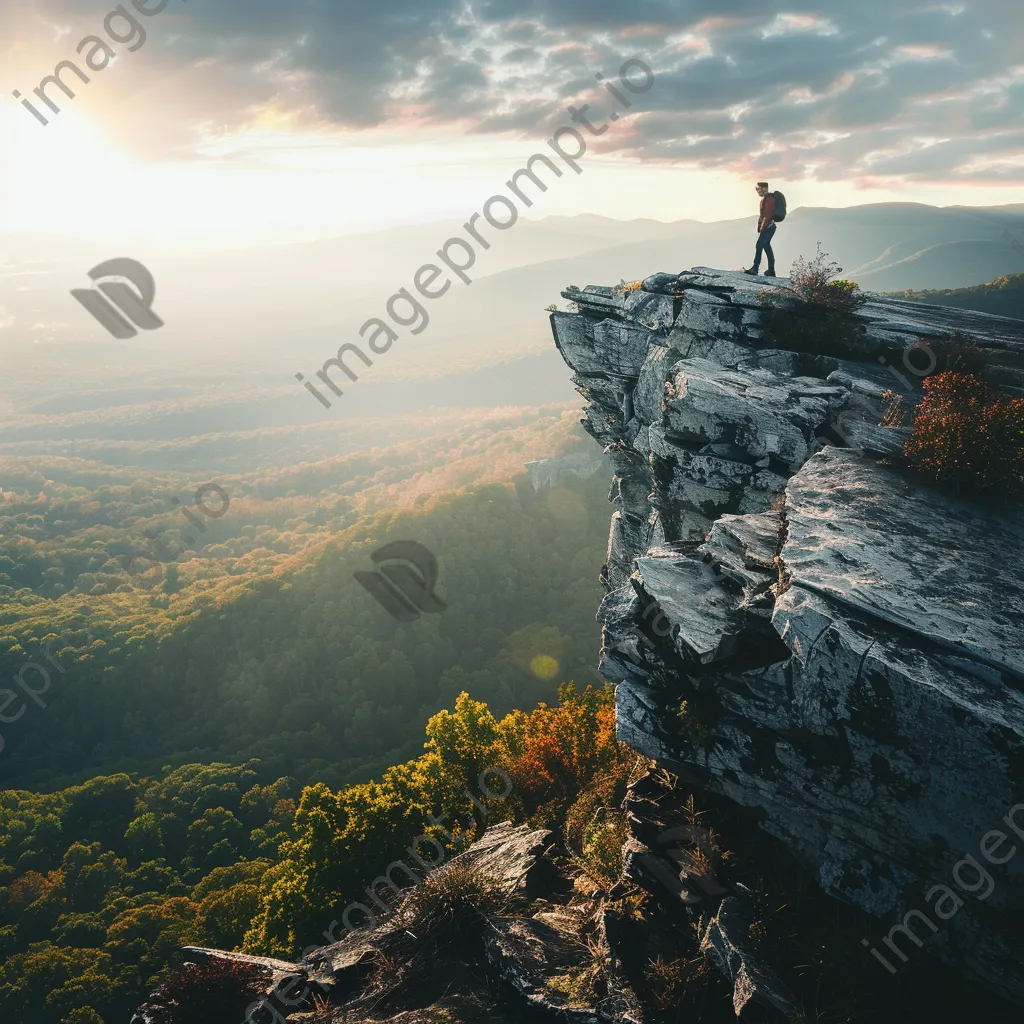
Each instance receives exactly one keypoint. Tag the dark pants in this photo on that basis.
(764, 245)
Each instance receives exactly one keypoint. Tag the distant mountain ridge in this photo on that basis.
(238, 325)
(265, 297)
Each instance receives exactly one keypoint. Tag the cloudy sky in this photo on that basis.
(237, 120)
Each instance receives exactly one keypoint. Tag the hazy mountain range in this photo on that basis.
(239, 325)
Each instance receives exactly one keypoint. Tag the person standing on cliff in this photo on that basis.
(765, 231)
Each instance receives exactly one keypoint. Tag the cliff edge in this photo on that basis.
(793, 619)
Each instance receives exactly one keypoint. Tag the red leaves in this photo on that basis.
(213, 992)
(968, 437)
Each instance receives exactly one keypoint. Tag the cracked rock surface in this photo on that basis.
(796, 622)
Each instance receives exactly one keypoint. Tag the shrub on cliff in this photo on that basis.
(823, 322)
(560, 762)
(625, 287)
(968, 437)
(214, 992)
(566, 755)
(956, 352)
(815, 281)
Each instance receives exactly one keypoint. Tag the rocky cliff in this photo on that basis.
(796, 622)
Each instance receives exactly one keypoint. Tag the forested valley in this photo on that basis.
(210, 727)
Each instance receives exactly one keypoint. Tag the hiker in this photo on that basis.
(773, 210)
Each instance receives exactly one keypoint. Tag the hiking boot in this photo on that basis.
(770, 273)
(752, 270)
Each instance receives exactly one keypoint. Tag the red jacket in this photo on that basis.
(767, 211)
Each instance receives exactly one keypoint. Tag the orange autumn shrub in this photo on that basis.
(563, 748)
(968, 437)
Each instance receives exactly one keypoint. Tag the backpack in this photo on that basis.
(780, 207)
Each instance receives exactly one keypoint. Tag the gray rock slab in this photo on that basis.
(651, 311)
(505, 853)
(621, 347)
(875, 440)
(913, 557)
(765, 414)
(696, 608)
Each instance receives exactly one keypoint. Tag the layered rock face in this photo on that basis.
(795, 621)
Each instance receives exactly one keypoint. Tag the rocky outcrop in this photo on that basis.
(474, 924)
(546, 473)
(512, 930)
(794, 621)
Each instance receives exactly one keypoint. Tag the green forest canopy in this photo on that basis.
(102, 884)
(200, 722)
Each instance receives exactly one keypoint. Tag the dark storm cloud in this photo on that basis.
(884, 87)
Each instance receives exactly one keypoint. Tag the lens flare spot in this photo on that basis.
(544, 666)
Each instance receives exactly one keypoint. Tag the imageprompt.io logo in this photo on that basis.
(125, 306)
(404, 583)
